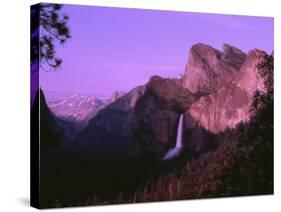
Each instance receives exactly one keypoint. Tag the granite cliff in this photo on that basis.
(215, 93)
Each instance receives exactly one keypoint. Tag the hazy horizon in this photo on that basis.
(117, 49)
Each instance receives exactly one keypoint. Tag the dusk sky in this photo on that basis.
(114, 49)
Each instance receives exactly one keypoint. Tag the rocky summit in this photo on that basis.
(208, 68)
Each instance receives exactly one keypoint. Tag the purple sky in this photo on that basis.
(117, 49)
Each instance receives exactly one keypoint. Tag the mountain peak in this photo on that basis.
(202, 49)
(227, 48)
(116, 95)
(209, 68)
(77, 108)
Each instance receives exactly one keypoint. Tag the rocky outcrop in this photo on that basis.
(230, 104)
(154, 127)
(208, 68)
(116, 95)
(156, 115)
(248, 77)
(224, 108)
(170, 93)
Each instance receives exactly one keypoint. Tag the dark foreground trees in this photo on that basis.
(48, 28)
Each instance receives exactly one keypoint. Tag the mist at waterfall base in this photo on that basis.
(172, 153)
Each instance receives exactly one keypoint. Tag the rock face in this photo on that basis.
(196, 138)
(224, 108)
(156, 116)
(116, 95)
(109, 130)
(230, 104)
(208, 68)
(170, 93)
(215, 93)
(248, 77)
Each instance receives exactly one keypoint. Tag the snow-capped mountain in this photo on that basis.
(77, 108)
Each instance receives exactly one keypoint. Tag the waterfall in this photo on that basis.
(179, 133)
(177, 149)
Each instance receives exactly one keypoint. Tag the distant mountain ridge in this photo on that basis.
(77, 108)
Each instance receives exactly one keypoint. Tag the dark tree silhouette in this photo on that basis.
(263, 99)
(48, 26)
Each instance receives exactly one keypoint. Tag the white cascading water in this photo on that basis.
(177, 149)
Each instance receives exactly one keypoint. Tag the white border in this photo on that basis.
(14, 88)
